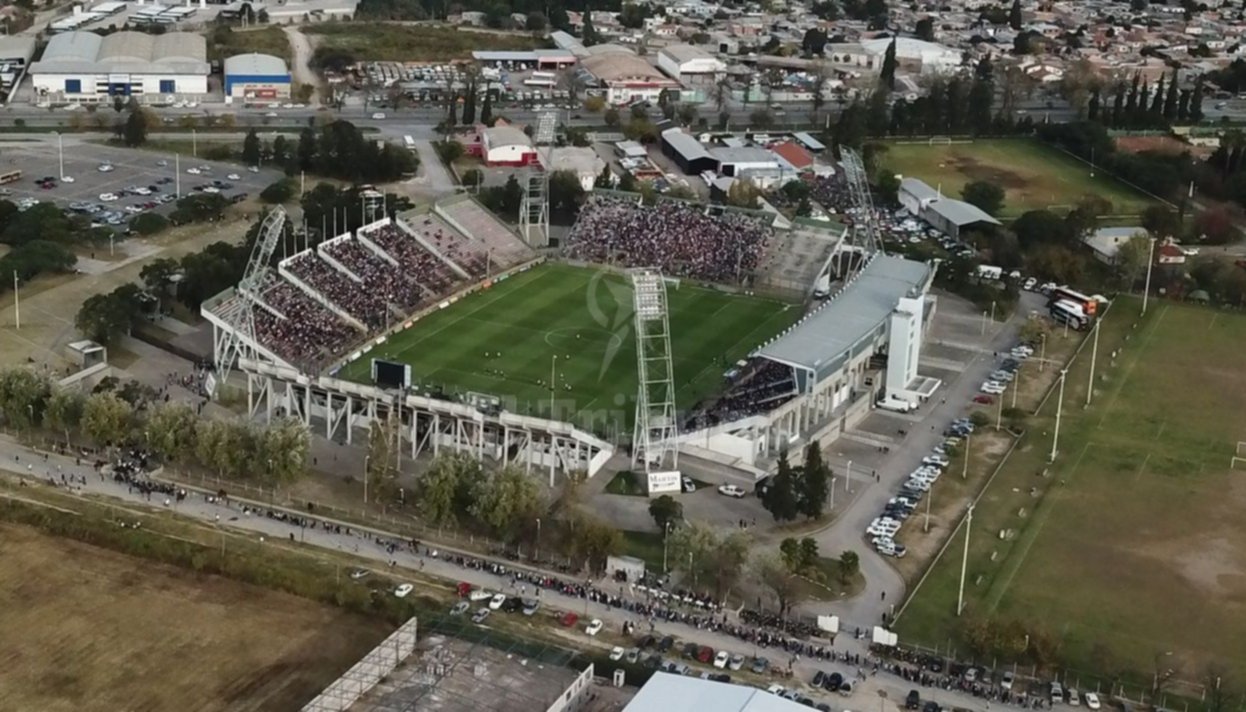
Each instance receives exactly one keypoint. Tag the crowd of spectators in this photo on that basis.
(457, 248)
(760, 386)
(367, 304)
(679, 239)
(423, 266)
(304, 331)
(379, 275)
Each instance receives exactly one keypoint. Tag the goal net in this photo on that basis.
(1239, 457)
(939, 141)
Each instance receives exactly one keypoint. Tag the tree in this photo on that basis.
(251, 148)
(709, 560)
(283, 447)
(598, 540)
(170, 431)
(761, 119)
(799, 556)
(814, 41)
(773, 575)
(23, 394)
(849, 566)
(149, 223)
(1196, 101)
(781, 498)
(134, 130)
(814, 483)
(566, 193)
(1215, 226)
(1014, 15)
(611, 117)
(588, 33)
(535, 22)
(380, 465)
(743, 193)
(925, 29)
(594, 103)
(106, 418)
(64, 411)
(666, 512)
(985, 195)
(887, 75)
(105, 317)
(440, 490)
(486, 109)
(281, 191)
(1170, 99)
(979, 111)
(605, 179)
(469, 103)
(1131, 259)
(472, 177)
(1160, 221)
(505, 500)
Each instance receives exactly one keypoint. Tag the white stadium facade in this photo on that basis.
(86, 67)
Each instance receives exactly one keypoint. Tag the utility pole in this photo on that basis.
(177, 174)
(999, 416)
(929, 496)
(964, 563)
(964, 475)
(17, 303)
(367, 460)
(1150, 261)
(1094, 353)
(1055, 440)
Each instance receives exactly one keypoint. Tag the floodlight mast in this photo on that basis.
(239, 339)
(534, 212)
(654, 441)
(864, 239)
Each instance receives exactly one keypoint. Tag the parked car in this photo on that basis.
(481, 615)
(689, 485)
(721, 659)
(403, 590)
(594, 627)
(913, 701)
(617, 653)
(760, 665)
(1074, 699)
(569, 619)
(479, 594)
(1092, 701)
(460, 608)
(666, 644)
(737, 662)
(359, 573)
(531, 606)
(984, 399)
(1006, 681)
(731, 491)
(497, 601)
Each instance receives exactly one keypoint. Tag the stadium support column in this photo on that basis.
(534, 211)
(654, 441)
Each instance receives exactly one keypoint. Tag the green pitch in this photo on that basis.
(1139, 517)
(1033, 176)
(503, 341)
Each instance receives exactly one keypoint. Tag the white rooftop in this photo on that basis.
(677, 693)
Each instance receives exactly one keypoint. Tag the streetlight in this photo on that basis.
(536, 551)
(1055, 440)
(60, 152)
(964, 563)
(666, 530)
(1094, 354)
(367, 461)
(1146, 290)
(848, 478)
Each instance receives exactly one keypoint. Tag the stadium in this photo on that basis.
(442, 323)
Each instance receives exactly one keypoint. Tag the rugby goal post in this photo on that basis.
(1239, 457)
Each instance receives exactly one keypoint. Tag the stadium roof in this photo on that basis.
(124, 53)
(857, 312)
(677, 693)
(960, 213)
(254, 64)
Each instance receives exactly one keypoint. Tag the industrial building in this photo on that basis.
(551, 59)
(755, 163)
(505, 146)
(915, 55)
(85, 67)
(15, 55)
(623, 77)
(683, 693)
(256, 78)
(685, 63)
(687, 152)
(947, 215)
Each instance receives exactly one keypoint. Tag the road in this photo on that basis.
(22, 463)
(884, 588)
(301, 67)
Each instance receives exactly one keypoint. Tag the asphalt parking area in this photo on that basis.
(130, 169)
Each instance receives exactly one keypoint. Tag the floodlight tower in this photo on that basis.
(238, 340)
(534, 213)
(656, 427)
(865, 238)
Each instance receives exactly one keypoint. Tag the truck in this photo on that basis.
(895, 404)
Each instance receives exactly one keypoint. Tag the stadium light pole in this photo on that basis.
(553, 360)
(17, 304)
(848, 478)
(367, 461)
(1150, 261)
(1055, 440)
(60, 152)
(177, 174)
(964, 563)
(194, 143)
(1094, 353)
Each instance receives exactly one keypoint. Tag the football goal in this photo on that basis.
(939, 141)
(1239, 457)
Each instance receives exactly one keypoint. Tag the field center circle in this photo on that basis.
(563, 339)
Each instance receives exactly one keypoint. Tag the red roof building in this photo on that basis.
(796, 156)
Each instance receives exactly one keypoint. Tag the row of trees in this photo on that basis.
(1136, 105)
(117, 413)
(799, 490)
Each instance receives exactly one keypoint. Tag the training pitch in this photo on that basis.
(1033, 176)
(1132, 543)
(576, 322)
(89, 628)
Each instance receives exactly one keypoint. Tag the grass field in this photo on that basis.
(1032, 175)
(88, 628)
(582, 318)
(1132, 543)
(409, 43)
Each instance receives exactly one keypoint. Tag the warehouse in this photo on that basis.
(85, 67)
(752, 162)
(687, 152)
(625, 77)
(505, 146)
(256, 78)
(689, 64)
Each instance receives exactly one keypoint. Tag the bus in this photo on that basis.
(547, 83)
(1088, 304)
(10, 177)
(409, 142)
(1068, 313)
(543, 75)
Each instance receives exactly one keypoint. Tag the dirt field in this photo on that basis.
(1132, 542)
(87, 628)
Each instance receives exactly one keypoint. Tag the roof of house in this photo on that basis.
(685, 53)
(579, 160)
(679, 693)
(255, 64)
(823, 339)
(504, 136)
(795, 156)
(960, 213)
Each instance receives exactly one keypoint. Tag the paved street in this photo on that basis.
(21, 462)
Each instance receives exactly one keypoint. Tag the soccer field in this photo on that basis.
(1133, 543)
(575, 323)
(1033, 176)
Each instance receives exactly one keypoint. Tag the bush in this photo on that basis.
(979, 419)
(280, 192)
(218, 153)
(472, 177)
(149, 223)
(448, 151)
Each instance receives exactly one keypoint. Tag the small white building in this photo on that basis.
(752, 162)
(506, 146)
(1107, 241)
(583, 161)
(686, 63)
(930, 57)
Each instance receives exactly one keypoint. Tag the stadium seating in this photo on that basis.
(379, 275)
(489, 235)
(762, 386)
(365, 304)
(305, 332)
(680, 239)
(421, 265)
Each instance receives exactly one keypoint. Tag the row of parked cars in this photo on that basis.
(495, 602)
(999, 380)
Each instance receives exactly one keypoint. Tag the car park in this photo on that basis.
(731, 491)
